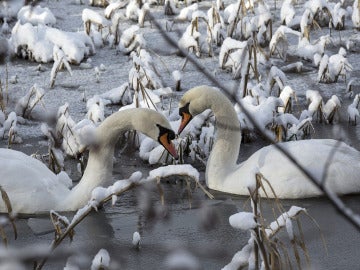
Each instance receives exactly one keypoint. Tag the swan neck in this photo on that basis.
(224, 155)
(98, 171)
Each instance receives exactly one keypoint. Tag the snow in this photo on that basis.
(156, 154)
(119, 95)
(353, 110)
(146, 146)
(26, 104)
(36, 15)
(37, 43)
(323, 65)
(287, 12)
(307, 49)
(95, 109)
(331, 106)
(85, 132)
(136, 239)
(316, 5)
(176, 75)
(89, 15)
(8, 124)
(60, 60)
(356, 14)
(338, 65)
(338, 15)
(315, 101)
(131, 40)
(189, 40)
(101, 260)
(286, 93)
(281, 221)
(181, 259)
(112, 7)
(186, 13)
(165, 171)
(108, 81)
(241, 257)
(10, 10)
(279, 41)
(226, 60)
(230, 12)
(100, 193)
(65, 126)
(263, 112)
(243, 221)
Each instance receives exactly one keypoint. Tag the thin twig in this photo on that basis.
(69, 230)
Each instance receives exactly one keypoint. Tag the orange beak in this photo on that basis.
(168, 145)
(185, 119)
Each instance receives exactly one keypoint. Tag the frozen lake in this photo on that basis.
(202, 229)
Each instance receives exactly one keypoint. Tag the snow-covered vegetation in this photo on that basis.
(292, 65)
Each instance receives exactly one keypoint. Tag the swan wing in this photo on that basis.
(28, 182)
(334, 160)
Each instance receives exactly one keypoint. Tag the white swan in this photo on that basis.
(33, 188)
(224, 174)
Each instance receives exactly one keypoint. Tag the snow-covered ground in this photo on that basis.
(94, 65)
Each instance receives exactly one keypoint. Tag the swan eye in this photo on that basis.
(165, 137)
(184, 110)
(165, 133)
(171, 135)
(185, 117)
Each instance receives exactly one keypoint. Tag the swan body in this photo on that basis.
(224, 174)
(33, 188)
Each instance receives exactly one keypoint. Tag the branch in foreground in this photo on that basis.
(101, 195)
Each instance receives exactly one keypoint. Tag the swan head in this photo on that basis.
(157, 127)
(186, 116)
(194, 102)
(165, 137)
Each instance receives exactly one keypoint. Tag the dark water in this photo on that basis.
(203, 230)
(193, 223)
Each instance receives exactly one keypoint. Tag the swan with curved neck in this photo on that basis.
(33, 188)
(224, 174)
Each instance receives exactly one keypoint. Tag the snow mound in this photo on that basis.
(37, 43)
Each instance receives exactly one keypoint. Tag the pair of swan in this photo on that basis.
(341, 161)
(33, 188)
